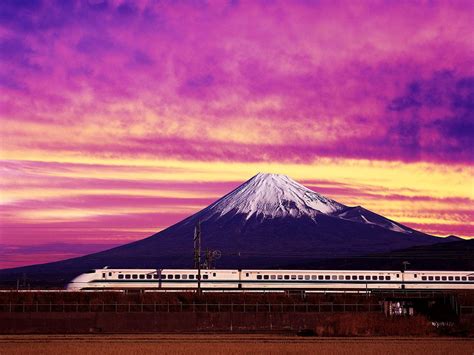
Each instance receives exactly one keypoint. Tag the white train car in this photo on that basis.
(184, 279)
(154, 279)
(320, 279)
(439, 280)
(357, 279)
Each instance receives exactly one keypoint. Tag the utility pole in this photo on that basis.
(197, 253)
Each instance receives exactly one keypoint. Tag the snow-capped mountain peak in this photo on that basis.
(273, 195)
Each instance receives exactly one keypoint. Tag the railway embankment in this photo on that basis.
(310, 314)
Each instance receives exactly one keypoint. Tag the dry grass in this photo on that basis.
(228, 344)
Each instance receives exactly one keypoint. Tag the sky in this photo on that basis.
(120, 118)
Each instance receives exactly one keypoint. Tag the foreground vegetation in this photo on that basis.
(320, 314)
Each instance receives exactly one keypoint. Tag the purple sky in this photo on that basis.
(104, 103)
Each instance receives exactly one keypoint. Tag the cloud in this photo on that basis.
(15, 255)
(258, 82)
(15, 50)
(434, 117)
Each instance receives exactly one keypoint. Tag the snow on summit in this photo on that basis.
(273, 195)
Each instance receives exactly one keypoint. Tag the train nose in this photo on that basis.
(74, 286)
(80, 282)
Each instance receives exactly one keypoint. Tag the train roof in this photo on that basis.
(274, 270)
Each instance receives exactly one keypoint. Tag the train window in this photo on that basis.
(259, 277)
(437, 278)
(142, 276)
(155, 276)
(361, 277)
(334, 277)
(110, 274)
(341, 277)
(293, 277)
(354, 277)
(170, 277)
(103, 275)
(348, 277)
(149, 276)
(381, 277)
(177, 277)
(279, 277)
(464, 278)
(214, 274)
(374, 277)
(398, 275)
(120, 276)
(367, 277)
(327, 277)
(314, 277)
(163, 276)
(191, 277)
(300, 277)
(287, 277)
(273, 277)
(184, 277)
(387, 278)
(265, 277)
(415, 276)
(127, 276)
(307, 277)
(444, 278)
(423, 278)
(430, 278)
(134, 276)
(457, 278)
(247, 274)
(205, 277)
(320, 277)
(450, 278)
(471, 278)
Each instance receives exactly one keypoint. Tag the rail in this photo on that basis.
(191, 307)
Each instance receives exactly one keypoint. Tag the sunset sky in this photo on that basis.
(120, 118)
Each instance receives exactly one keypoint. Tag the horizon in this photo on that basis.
(122, 118)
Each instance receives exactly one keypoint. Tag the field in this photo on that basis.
(228, 344)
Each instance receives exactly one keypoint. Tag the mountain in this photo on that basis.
(270, 221)
(454, 255)
(271, 196)
(362, 215)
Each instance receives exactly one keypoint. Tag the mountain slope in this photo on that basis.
(268, 222)
(362, 215)
(454, 255)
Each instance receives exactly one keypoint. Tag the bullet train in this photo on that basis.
(182, 279)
